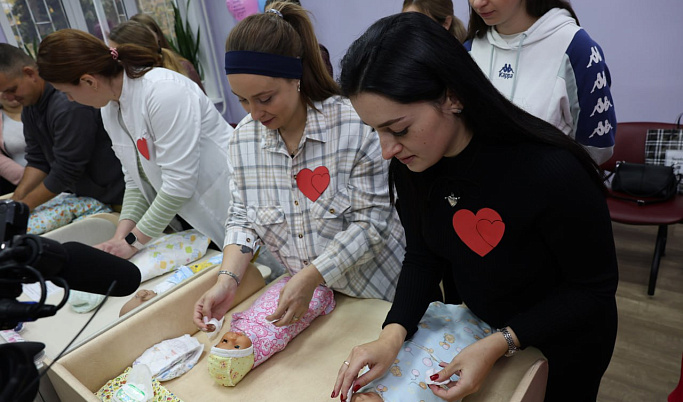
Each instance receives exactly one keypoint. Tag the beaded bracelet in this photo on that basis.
(232, 275)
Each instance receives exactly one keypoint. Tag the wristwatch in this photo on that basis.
(132, 239)
(512, 348)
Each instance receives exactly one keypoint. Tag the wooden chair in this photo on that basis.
(630, 147)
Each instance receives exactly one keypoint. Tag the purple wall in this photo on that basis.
(642, 42)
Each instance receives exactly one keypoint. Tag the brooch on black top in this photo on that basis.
(452, 200)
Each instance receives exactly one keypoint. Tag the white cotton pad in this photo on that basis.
(430, 373)
(218, 324)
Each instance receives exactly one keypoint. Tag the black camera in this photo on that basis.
(23, 259)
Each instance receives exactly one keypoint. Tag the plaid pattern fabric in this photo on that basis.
(337, 214)
(658, 142)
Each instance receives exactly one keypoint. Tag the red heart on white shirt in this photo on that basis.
(313, 183)
(142, 147)
(481, 232)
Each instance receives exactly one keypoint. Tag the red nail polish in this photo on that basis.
(356, 387)
(333, 394)
(342, 397)
(434, 376)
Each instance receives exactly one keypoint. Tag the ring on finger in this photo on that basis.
(295, 318)
(347, 363)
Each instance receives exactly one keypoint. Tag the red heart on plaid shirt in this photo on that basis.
(313, 183)
(481, 232)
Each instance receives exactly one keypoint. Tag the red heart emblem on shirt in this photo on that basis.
(313, 183)
(481, 232)
(142, 147)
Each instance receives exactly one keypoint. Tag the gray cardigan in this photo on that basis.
(67, 141)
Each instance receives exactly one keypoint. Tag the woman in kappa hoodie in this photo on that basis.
(537, 55)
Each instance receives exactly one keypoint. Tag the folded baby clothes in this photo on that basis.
(161, 394)
(83, 302)
(171, 358)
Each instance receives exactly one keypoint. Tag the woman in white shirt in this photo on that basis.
(169, 136)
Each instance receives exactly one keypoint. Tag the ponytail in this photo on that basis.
(137, 33)
(66, 55)
(286, 31)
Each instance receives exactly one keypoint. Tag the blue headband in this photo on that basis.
(268, 64)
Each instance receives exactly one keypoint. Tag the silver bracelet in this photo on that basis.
(232, 275)
(512, 348)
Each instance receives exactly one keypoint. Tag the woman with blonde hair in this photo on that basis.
(440, 11)
(149, 22)
(137, 33)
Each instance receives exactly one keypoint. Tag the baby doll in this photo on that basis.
(231, 359)
(252, 339)
(180, 274)
(140, 297)
(443, 332)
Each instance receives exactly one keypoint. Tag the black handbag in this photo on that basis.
(665, 147)
(644, 183)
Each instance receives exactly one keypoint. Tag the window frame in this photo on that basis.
(196, 15)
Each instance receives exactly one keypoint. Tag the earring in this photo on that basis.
(457, 111)
(298, 86)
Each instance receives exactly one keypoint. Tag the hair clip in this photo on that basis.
(274, 11)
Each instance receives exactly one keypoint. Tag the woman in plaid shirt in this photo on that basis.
(307, 176)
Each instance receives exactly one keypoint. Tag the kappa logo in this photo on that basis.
(506, 72)
(602, 105)
(595, 57)
(600, 81)
(602, 129)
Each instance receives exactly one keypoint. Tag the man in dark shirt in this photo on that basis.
(67, 148)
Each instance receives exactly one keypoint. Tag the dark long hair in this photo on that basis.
(290, 35)
(407, 58)
(535, 8)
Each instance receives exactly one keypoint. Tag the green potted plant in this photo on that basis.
(185, 43)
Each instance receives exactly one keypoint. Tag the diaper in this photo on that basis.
(171, 358)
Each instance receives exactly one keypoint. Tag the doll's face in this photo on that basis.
(234, 340)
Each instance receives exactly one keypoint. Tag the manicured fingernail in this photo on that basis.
(356, 387)
(333, 394)
(342, 397)
(433, 377)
